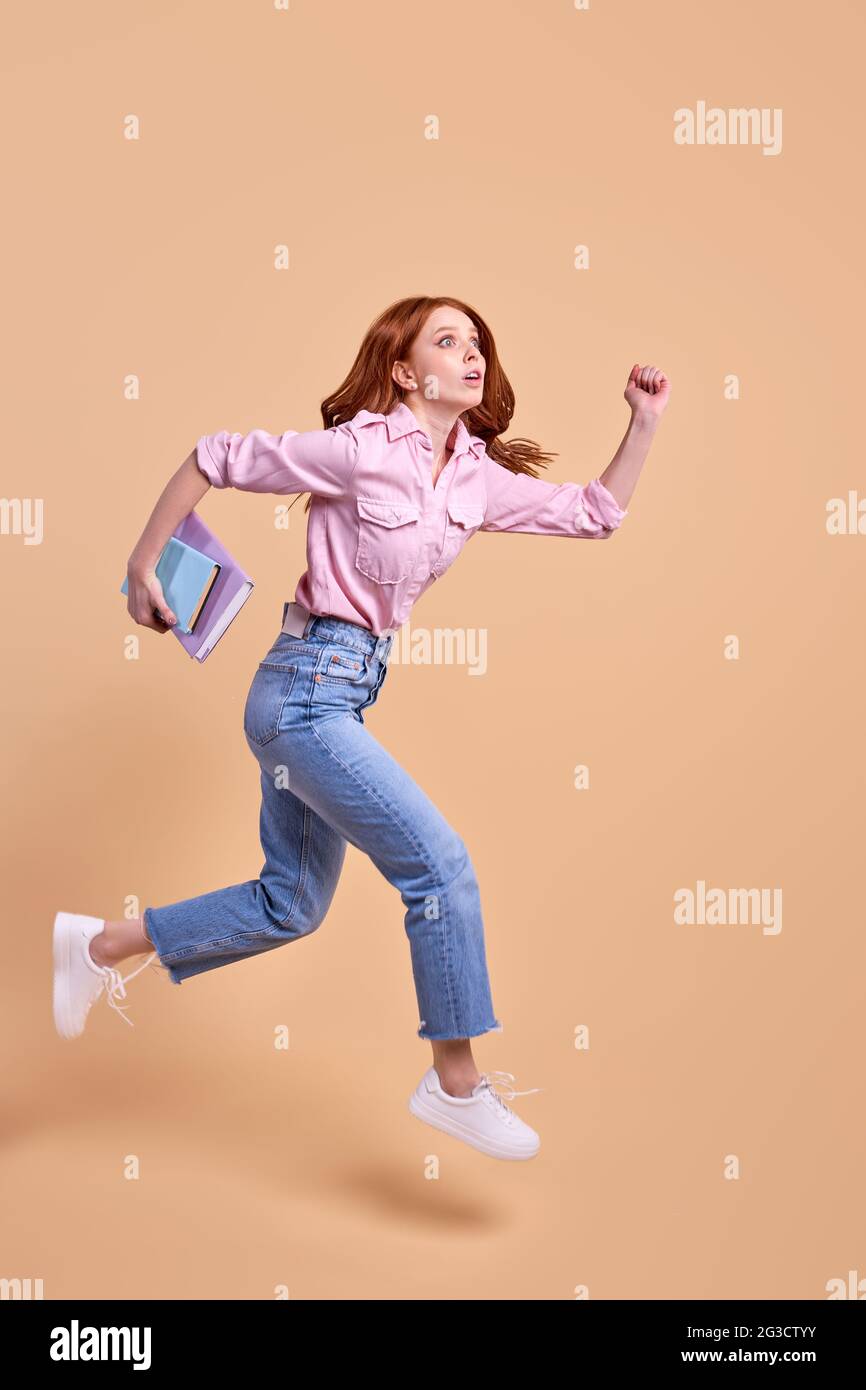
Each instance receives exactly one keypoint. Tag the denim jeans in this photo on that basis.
(325, 781)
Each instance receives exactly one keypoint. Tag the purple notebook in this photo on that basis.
(229, 592)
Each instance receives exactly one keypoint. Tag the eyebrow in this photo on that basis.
(450, 328)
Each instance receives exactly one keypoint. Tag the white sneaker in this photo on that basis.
(78, 980)
(481, 1119)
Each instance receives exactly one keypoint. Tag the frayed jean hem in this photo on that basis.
(494, 1027)
(172, 971)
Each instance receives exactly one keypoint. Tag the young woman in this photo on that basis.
(409, 466)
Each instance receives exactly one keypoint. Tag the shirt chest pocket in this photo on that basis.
(389, 538)
(462, 521)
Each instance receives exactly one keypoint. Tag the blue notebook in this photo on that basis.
(187, 577)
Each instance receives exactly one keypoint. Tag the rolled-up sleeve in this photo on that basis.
(518, 502)
(316, 461)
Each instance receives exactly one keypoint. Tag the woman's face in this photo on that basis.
(444, 352)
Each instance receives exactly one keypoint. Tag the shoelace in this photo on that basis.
(115, 986)
(487, 1078)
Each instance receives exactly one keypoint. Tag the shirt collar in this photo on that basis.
(401, 420)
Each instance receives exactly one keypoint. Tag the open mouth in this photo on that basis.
(474, 378)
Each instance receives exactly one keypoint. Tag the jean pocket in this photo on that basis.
(344, 666)
(266, 699)
(389, 538)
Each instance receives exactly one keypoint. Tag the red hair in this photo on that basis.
(369, 384)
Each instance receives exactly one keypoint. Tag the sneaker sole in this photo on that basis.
(61, 977)
(488, 1146)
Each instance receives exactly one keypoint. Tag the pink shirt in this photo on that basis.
(379, 532)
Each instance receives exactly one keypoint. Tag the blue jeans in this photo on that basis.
(325, 781)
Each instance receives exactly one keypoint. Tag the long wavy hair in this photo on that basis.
(369, 384)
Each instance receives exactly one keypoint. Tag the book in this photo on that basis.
(187, 577)
(204, 585)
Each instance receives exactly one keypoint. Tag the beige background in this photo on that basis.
(129, 782)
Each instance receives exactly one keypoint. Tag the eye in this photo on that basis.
(448, 339)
